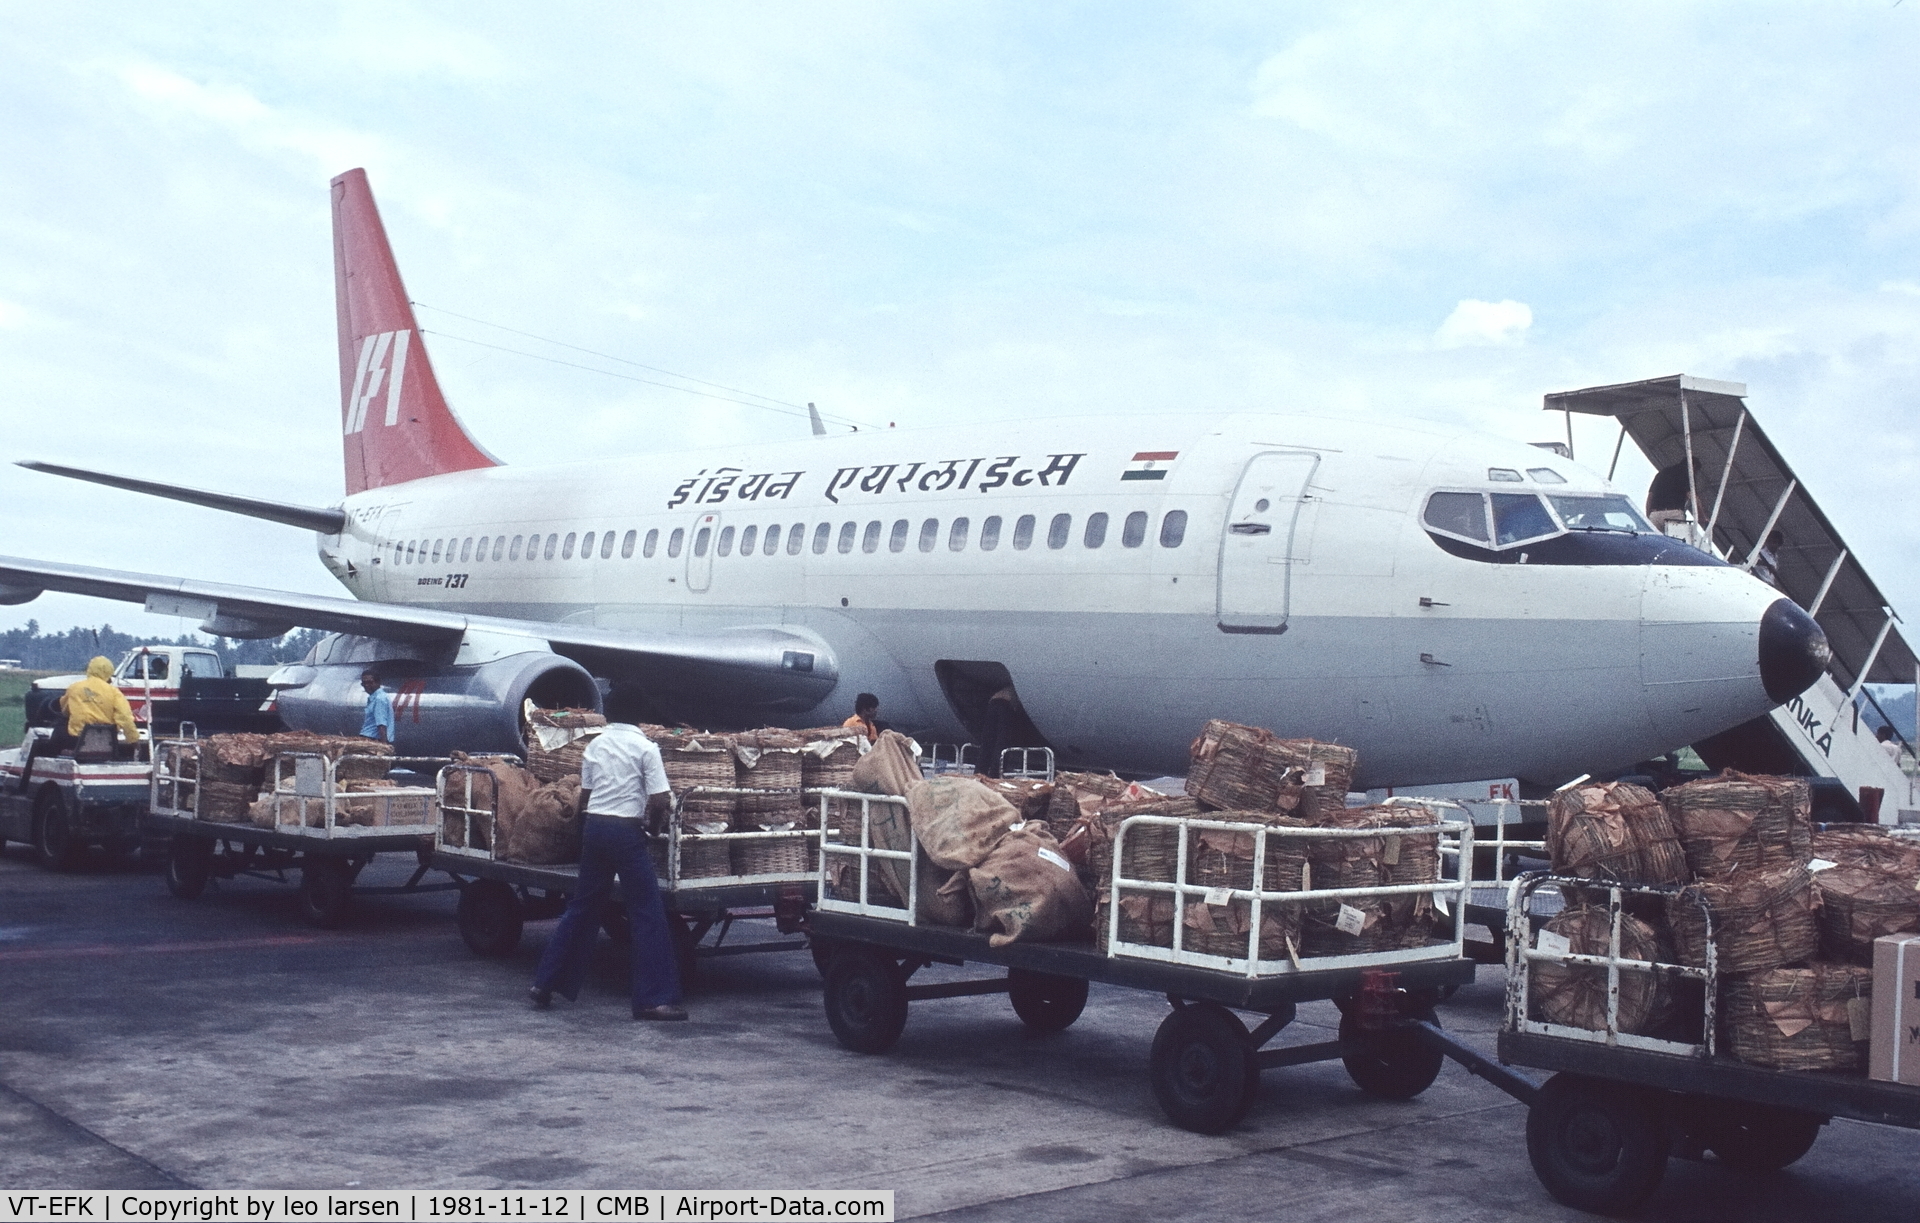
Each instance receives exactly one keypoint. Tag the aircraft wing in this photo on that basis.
(780, 666)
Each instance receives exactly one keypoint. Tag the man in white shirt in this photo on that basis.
(623, 793)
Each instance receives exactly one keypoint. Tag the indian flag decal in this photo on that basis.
(1146, 465)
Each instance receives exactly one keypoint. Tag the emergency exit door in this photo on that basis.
(1256, 551)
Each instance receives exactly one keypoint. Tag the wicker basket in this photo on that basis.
(1798, 1018)
(1032, 799)
(1217, 858)
(1246, 768)
(557, 740)
(1388, 923)
(1575, 996)
(1870, 846)
(1861, 902)
(827, 764)
(703, 859)
(781, 856)
(768, 761)
(1078, 794)
(1615, 831)
(693, 761)
(1738, 820)
(1762, 918)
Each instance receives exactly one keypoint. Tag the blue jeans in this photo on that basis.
(612, 846)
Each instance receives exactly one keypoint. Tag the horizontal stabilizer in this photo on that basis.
(313, 518)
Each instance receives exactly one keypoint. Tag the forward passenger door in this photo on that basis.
(1256, 548)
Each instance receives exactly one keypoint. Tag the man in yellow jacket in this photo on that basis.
(94, 701)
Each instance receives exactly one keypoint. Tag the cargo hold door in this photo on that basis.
(1256, 549)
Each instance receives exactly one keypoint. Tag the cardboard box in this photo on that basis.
(1894, 1055)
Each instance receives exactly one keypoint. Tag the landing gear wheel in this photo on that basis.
(1393, 1064)
(1204, 1069)
(53, 836)
(489, 917)
(866, 999)
(326, 891)
(1596, 1146)
(189, 863)
(1754, 1138)
(1045, 1002)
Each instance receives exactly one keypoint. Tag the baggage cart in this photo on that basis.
(498, 897)
(1619, 1105)
(319, 829)
(1205, 1063)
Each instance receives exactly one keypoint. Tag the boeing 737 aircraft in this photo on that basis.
(1454, 605)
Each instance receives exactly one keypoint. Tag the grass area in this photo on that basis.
(13, 704)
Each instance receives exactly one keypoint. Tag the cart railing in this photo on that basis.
(1027, 763)
(315, 783)
(1491, 834)
(1523, 953)
(941, 758)
(470, 794)
(863, 854)
(1184, 893)
(173, 788)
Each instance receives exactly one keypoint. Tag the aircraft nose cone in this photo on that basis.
(1793, 651)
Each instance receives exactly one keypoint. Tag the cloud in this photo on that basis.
(255, 125)
(1478, 324)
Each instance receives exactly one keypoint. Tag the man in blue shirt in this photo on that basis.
(378, 722)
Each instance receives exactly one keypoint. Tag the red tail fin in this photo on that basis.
(397, 425)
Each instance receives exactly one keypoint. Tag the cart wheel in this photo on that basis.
(822, 951)
(1755, 1138)
(53, 834)
(189, 863)
(1045, 1002)
(866, 999)
(326, 889)
(1596, 1146)
(489, 917)
(1394, 1064)
(1203, 1067)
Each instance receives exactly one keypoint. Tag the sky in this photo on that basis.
(927, 213)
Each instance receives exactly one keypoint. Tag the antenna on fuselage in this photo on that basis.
(819, 426)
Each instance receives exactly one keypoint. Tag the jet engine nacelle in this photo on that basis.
(444, 700)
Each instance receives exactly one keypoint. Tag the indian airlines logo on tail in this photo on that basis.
(1145, 465)
(382, 368)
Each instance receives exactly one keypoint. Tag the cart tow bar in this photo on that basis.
(1515, 1084)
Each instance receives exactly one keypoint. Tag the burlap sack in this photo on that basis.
(945, 896)
(1575, 996)
(1026, 892)
(891, 766)
(1860, 902)
(1798, 1018)
(1614, 831)
(502, 798)
(1762, 918)
(547, 829)
(957, 820)
(1740, 820)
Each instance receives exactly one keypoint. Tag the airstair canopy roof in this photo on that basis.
(1664, 416)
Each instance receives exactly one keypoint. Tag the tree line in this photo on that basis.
(70, 650)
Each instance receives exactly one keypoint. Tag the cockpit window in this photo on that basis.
(1599, 514)
(1518, 517)
(1503, 475)
(1462, 514)
(1546, 475)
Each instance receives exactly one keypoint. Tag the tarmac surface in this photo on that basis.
(148, 1042)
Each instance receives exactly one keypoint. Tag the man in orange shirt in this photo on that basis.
(865, 707)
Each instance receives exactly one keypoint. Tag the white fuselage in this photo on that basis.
(1330, 612)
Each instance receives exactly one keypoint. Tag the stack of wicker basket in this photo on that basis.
(770, 762)
(1239, 768)
(1371, 923)
(1221, 859)
(1872, 889)
(557, 739)
(695, 761)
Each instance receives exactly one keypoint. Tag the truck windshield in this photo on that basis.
(1600, 514)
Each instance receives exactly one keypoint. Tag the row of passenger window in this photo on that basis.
(794, 539)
